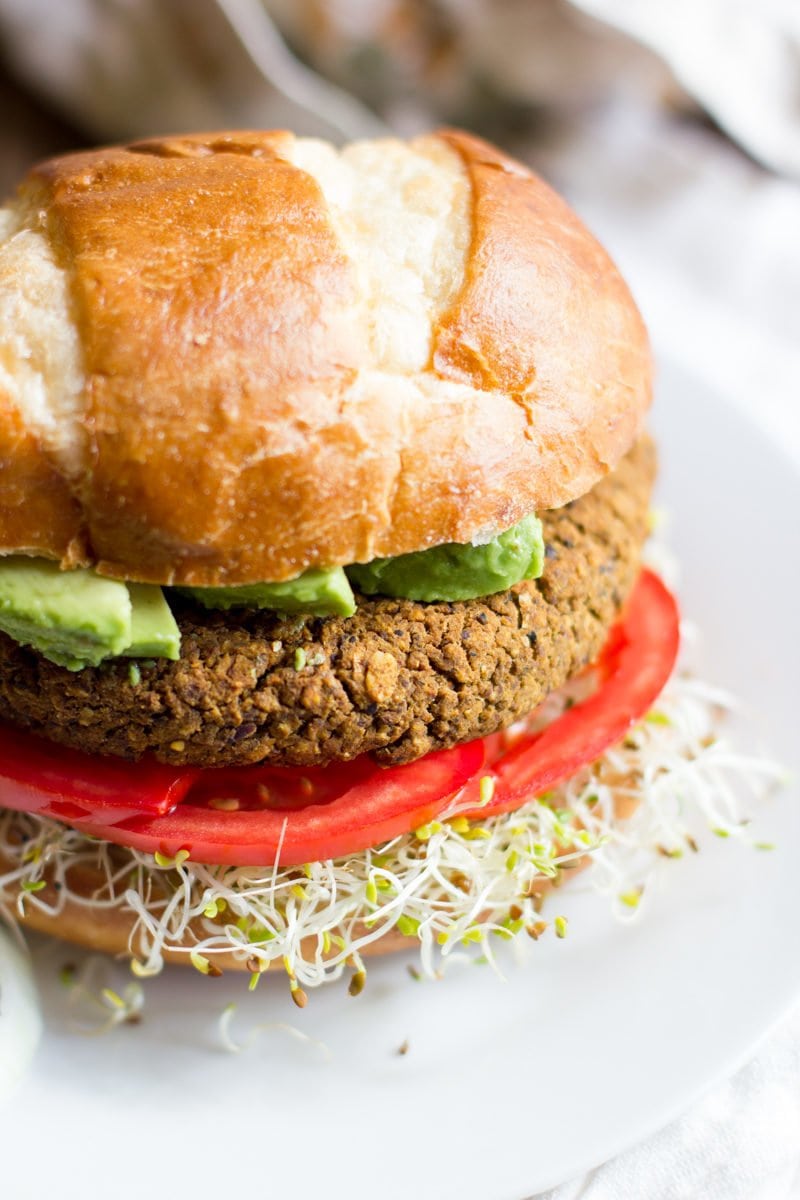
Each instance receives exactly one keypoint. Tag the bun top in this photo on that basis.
(226, 358)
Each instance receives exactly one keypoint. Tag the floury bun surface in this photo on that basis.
(226, 358)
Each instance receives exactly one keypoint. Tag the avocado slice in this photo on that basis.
(319, 592)
(455, 571)
(77, 618)
(74, 618)
(154, 630)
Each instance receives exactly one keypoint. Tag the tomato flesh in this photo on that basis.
(40, 777)
(385, 802)
(255, 816)
(634, 666)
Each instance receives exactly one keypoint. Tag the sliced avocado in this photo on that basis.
(74, 618)
(154, 631)
(320, 593)
(454, 571)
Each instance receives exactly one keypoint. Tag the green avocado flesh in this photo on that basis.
(77, 618)
(457, 572)
(320, 593)
(154, 630)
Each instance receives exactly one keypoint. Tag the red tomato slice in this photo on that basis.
(302, 815)
(636, 662)
(385, 802)
(41, 777)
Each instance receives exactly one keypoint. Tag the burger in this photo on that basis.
(324, 484)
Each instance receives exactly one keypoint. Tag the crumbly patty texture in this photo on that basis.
(398, 679)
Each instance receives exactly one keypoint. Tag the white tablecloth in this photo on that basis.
(741, 1142)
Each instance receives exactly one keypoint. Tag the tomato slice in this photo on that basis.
(254, 816)
(385, 802)
(40, 777)
(635, 664)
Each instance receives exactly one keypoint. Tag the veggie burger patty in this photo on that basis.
(398, 679)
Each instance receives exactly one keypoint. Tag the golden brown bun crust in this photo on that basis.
(569, 348)
(238, 423)
(37, 509)
(184, 263)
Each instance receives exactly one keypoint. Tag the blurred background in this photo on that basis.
(673, 126)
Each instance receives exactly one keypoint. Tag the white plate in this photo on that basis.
(507, 1087)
